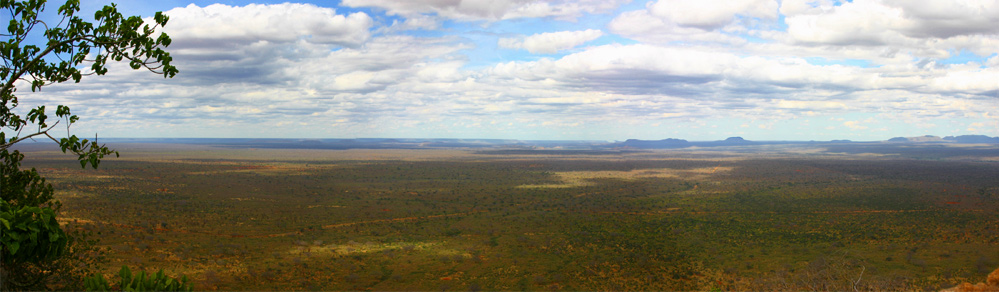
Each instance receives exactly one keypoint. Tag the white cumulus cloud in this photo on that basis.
(910, 25)
(551, 42)
(492, 10)
(272, 23)
(693, 21)
(711, 14)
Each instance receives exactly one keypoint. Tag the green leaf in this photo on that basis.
(125, 273)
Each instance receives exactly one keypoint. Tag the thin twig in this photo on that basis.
(7, 145)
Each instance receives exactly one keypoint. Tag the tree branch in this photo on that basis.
(8, 87)
(46, 133)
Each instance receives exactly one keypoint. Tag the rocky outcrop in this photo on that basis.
(991, 285)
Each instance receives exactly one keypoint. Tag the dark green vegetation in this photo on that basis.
(138, 282)
(35, 252)
(758, 219)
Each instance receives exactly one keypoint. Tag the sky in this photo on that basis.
(863, 70)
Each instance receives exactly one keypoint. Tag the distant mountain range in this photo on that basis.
(963, 139)
(630, 144)
(673, 143)
(680, 143)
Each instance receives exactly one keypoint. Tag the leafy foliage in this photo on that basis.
(30, 233)
(72, 42)
(23, 187)
(35, 248)
(139, 282)
(33, 242)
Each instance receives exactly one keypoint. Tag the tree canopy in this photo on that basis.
(37, 54)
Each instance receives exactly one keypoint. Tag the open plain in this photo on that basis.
(794, 217)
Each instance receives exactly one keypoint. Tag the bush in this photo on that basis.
(140, 282)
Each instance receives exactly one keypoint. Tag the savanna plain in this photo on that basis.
(792, 217)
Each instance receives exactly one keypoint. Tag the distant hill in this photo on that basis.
(730, 141)
(669, 143)
(734, 141)
(964, 139)
(927, 138)
(977, 139)
(494, 144)
(672, 143)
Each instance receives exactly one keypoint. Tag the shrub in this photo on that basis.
(139, 282)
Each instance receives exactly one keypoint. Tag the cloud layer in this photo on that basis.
(565, 69)
(491, 10)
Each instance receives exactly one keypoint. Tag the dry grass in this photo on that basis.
(351, 248)
(571, 179)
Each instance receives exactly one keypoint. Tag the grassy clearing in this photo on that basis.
(573, 179)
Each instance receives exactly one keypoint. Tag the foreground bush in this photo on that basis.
(140, 282)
